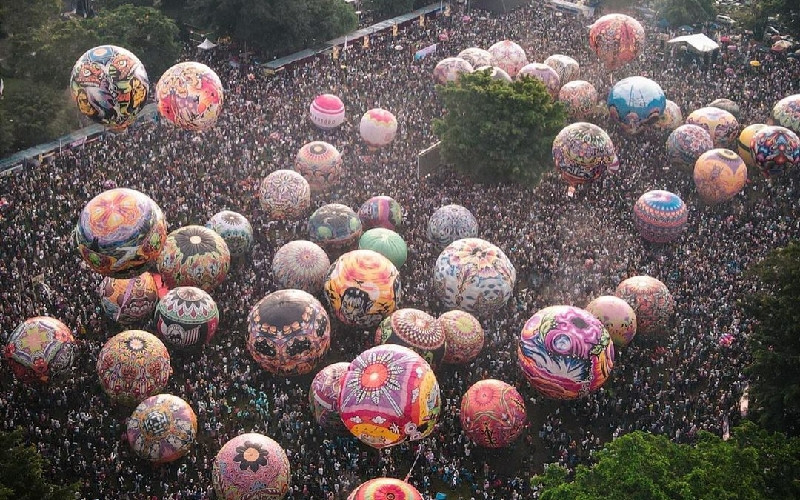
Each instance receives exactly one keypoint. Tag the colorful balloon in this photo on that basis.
(580, 98)
(378, 127)
(686, 143)
(285, 195)
(381, 211)
(389, 394)
(651, 301)
(672, 117)
(235, 229)
(786, 113)
(327, 112)
(566, 67)
(476, 57)
(450, 223)
(40, 348)
(660, 216)
(415, 329)
(450, 69)
(544, 74)
(110, 86)
(302, 265)
(162, 428)
(320, 164)
(508, 56)
(129, 301)
(335, 227)
(616, 39)
(251, 466)
(727, 105)
(288, 332)
(324, 396)
(582, 152)
(473, 275)
(617, 316)
(496, 73)
(719, 175)
(190, 95)
(565, 352)
(463, 337)
(194, 256)
(635, 102)
(385, 488)
(721, 125)
(120, 232)
(744, 141)
(362, 287)
(492, 413)
(387, 243)
(775, 150)
(133, 365)
(187, 316)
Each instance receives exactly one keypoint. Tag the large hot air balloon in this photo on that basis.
(617, 39)
(335, 227)
(565, 352)
(285, 195)
(582, 152)
(463, 336)
(545, 74)
(719, 175)
(508, 56)
(744, 141)
(660, 216)
(651, 301)
(496, 73)
(186, 316)
(580, 98)
(477, 57)
(190, 95)
(324, 396)
(385, 488)
(110, 86)
(492, 413)
(378, 127)
(251, 466)
(617, 316)
(288, 332)
(786, 113)
(162, 428)
(474, 275)
(415, 329)
(672, 117)
(40, 348)
(235, 229)
(566, 67)
(635, 102)
(327, 112)
(727, 105)
(775, 150)
(381, 211)
(686, 143)
(389, 394)
(120, 232)
(450, 223)
(362, 287)
(387, 243)
(302, 265)
(450, 69)
(194, 256)
(129, 301)
(320, 164)
(721, 125)
(132, 366)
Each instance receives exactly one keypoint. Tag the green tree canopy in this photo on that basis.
(496, 131)
(775, 341)
(385, 9)
(21, 474)
(679, 12)
(16, 18)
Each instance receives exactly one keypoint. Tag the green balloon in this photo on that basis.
(387, 243)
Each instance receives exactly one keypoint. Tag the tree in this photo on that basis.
(679, 12)
(21, 474)
(496, 131)
(16, 18)
(775, 341)
(384, 9)
(752, 465)
(756, 17)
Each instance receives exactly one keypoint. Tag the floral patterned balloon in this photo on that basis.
(162, 428)
(583, 152)
(617, 39)
(235, 229)
(660, 216)
(320, 164)
(566, 67)
(775, 150)
(544, 74)
(416, 330)
(651, 301)
(720, 124)
(686, 143)
(580, 98)
(285, 195)
(743, 143)
(450, 69)
(450, 223)
(617, 316)
(508, 56)
(133, 365)
(194, 256)
(302, 265)
(786, 113)
(672, 117)
(40, 348)
(324, 396)
(385, 488)
(492, 413)
(251, 466)
(477, 57)
(463, 336)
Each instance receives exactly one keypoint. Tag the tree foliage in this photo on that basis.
(385, 9)
(16, 18)
(21, 475)
(775, 341)
(752, 465)
(756, 16)
(679, 12)
(496, 131)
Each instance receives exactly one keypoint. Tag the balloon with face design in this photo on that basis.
(190, 95)
(186, 316)
(129, 301)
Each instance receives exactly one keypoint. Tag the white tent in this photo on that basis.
(699, 42)
(207, 45)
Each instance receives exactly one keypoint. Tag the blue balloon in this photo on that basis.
(635, 102)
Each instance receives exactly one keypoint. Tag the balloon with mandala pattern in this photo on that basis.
(727, 105)
(194, 256)
(415, 329)
(660, 216)
(450, 223)
(672, 117)
(636, 102)
(320, 163)
(450, 69)
(580, 98)
(565, 352)
(162, 428)
(492, 413)
(301, 265)
(385, 488)
(616, 39)
(285, 195)
(508, 56)
(566, 67)
(389, 395)
(335, 227)
(378, 127)
(721, 125)
(327, 112)
(776, 150)
(474, 275)
(719, 175)
(323, 396)
(186, 316)
(133, 365)
(110, 86)
(583, 152)
(120, 232)
(651, 301)
(744, 141)
(387, 243)
(617, 316)
(362, 287)
(129, 301)
(381, 211)
(545, 74)
(686, 143)
(190, 95)
(235, 229)
(786, 113)
(251, 466)
(496, 73)
(39, 349)
(463, 337)
(477, 57)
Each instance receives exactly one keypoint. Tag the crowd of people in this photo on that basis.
(565, 250)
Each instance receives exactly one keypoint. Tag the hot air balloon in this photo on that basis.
(743, 143)
(190, 95)
(320, 164)
(775, 150)
(285, 195)
(40, 348)
(508, 56)
(672, 117)
(544, 74)
(463, 336)
(492, 413)
(496, 73)
(378, 127)
(302, 265)
(450, 223)
(381, 211)
(580, 98)
(721, 125)
(387, 243)
(660, 216)
(194, 256)
(635, 102)
(566, 67)
(162, 429)
(617, 316)
(335, 227)
(651, 301)
(385, 488)
(251, 466)
(324, 396)
(133, 365)
(129, 301)
(786, 113)
(727, 105)
(186, 316)
(617, 39)
(327, 112)
(450, 69)
(582, 152)
(719, 175)
(416, 330)
(686, 143)
(477, 57)
(235, 229)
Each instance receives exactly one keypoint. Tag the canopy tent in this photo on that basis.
(699, 42)
(207, 45)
